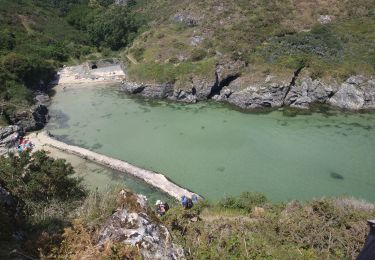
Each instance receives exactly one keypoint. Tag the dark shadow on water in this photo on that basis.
(282, 122)
(96, 146)
(336, 176)
(203, 127)
(107, 116)
(220, 169)
(58, 119)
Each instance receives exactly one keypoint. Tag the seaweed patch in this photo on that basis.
(336, 176)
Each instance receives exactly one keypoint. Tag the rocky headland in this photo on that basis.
(298, 90)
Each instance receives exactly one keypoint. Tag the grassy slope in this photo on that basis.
(268, 34)
(318, 229)
(43, 40)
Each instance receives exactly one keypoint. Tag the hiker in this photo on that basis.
(161, 207)
(186, 202)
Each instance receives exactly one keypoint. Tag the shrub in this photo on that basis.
(40, 178)
(115, 28)
(198, 54)
(246, 201)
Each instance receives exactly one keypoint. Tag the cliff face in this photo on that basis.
(356, 93)
(256, 54)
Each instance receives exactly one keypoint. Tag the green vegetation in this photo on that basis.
(168, 72)
(273, 35)
(39, 36)
(60, 220)
(250, 227)
(55, 213)
(114, 28)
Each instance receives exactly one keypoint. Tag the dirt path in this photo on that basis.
(131, 59)
(25, 24)
(157, 180)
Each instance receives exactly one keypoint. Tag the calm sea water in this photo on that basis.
(217, 151)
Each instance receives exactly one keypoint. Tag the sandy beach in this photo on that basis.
(84, 76)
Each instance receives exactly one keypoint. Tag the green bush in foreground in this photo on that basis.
(40, 178)
(249, 227)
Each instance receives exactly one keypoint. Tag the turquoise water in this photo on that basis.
(217, 151)
(102, 179)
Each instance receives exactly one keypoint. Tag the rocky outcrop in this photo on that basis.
(270, 93)
(132, 87)
(35, 118)
(299, 90)
(189, 20)
(158, 91)
(8, 137)
(31, 120)
(354, 94)
(307, 91)
(148, 90)
(133, 224)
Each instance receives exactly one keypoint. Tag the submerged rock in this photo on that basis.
(132, 224)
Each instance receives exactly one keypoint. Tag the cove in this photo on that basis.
(217, 151)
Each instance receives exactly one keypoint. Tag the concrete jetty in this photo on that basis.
(155, 179)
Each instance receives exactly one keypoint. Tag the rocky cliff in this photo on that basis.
(299, 90)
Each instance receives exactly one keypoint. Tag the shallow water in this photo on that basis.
(99, 178)
(217, 151)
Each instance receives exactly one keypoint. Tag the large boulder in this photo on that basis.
(133, 224)
(8, 137)
(132, 87)
(307, 91)
(369, 94)
(350, 94)
(202, 86)
(31, 120)
(158, 91)
(269, 93)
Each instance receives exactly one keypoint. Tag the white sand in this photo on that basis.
(81, 74)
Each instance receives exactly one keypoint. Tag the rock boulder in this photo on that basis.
(133, 224)
(8, 137)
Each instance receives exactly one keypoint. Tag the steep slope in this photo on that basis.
(212, 43)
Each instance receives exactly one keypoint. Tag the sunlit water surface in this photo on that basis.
(217, 151)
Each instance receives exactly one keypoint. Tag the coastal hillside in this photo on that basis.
(257, 54)
(331, 38)
(37, 37)
(227, 184)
